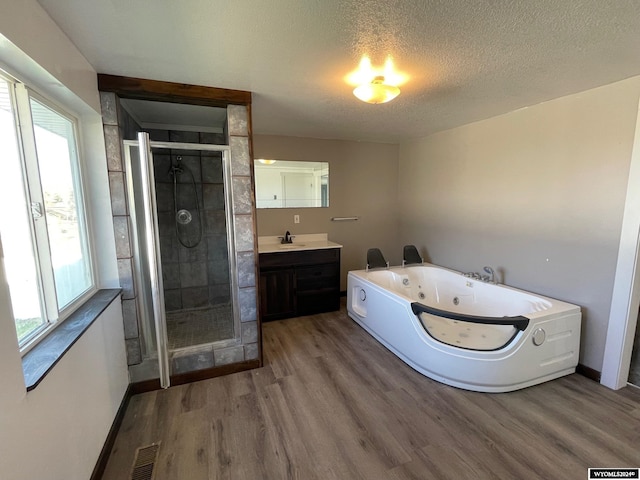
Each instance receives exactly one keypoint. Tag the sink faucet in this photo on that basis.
(288, 238)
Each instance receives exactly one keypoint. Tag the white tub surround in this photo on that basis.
(308, 241)
(465, 332)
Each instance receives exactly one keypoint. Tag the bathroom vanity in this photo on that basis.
(299, 278)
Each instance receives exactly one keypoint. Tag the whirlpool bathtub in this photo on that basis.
(464, 332)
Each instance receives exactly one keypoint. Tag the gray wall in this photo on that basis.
(538, 193)
(362, 182)
(199, 276)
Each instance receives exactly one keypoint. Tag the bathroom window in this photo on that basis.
(43, 228)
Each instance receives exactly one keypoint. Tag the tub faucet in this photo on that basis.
(493, 277)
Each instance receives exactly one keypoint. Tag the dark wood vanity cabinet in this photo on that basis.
(299, 283)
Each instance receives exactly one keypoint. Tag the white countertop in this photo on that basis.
(309, 241)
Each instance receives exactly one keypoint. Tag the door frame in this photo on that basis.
(625, 299)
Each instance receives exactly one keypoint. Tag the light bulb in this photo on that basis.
(376, 91)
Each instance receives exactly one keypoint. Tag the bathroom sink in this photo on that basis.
(290, 246)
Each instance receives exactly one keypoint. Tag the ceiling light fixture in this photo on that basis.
(266, 162)
(376, 84)
(376, 91)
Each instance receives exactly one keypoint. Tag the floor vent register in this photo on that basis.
(144, 462)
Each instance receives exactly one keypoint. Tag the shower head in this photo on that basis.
(184, 217)
(176, 168)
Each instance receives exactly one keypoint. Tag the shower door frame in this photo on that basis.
(152, 248)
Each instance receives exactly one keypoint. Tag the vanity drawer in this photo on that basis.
(317, 276)
(305, 257)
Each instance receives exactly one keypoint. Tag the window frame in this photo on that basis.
(21, 95)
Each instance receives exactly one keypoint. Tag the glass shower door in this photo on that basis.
(184, 262)
(146, 254)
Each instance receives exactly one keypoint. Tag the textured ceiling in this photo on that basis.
(465, 60)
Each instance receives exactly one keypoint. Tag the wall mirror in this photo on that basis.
(289, 184)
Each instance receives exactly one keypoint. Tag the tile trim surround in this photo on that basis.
(245, 237)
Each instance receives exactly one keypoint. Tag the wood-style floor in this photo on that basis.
(332, 403)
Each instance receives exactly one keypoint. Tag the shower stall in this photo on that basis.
(182, 238)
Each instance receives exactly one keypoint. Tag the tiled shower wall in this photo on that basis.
(244, 211)
(118, 125)
(193, 277)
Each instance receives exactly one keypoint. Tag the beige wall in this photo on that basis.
(362, 182)
(33, 33)
(538, 193)
(57, 430)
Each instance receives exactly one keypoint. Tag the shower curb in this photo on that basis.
(195, 376)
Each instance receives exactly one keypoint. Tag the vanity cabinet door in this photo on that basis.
(277, 293)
